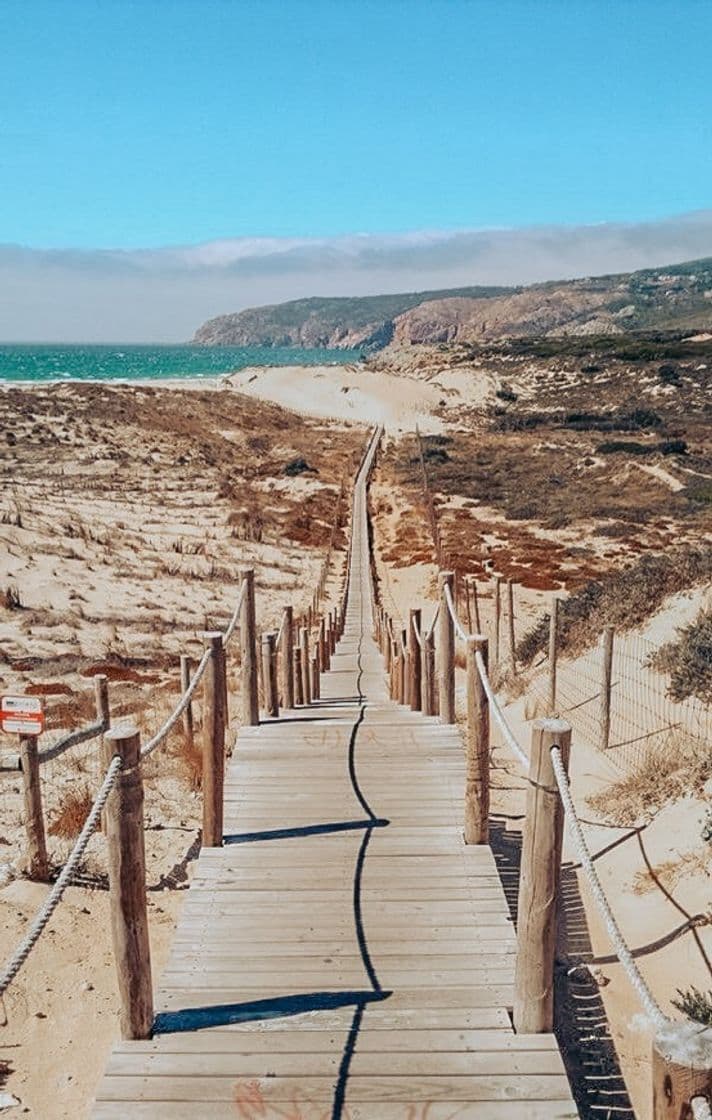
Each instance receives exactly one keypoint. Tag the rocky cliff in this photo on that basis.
(678, 297)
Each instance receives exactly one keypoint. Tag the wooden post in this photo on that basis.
(269, 673)
(332, 631)
(553, 650)
(395, 670)
(682, 1070)
(606, 676)
(510, 621)
(127, 886)
(186, 666)
(475, 604)
(406, 658)
(497, 615)
(298, 680)
(248, 649)
(213, 740)
(323, 644)
(477, 791)
(446, 653)
(315, 679)
(540, 881)
(468, 609)
(387, 645)
(416, 661)
(288, 658)
(37, 862)
(429, 706)
(101, 700)
(304, 645)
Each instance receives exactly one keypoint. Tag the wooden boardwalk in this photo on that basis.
(344, 954)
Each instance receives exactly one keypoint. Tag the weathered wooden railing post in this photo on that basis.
(101, 700)
(510, 626)
(269, 673)
(387, 645)
(37, 861)
(416, 661)
(429, 698)
(248, 652)
(127, 887)
(332, 632)
(406, 657)
(315, 677)
(305, 664)
(298, 679)
(497, 616)
(186, 668)
(396, 672)
(553, 652)
(446, 653)
(682, 1070)
(214, 721)
(606, 680)
(288, 658)
(477, 786)
(475, 604)
(539, 881)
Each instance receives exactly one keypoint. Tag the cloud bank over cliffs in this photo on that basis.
(163, 294)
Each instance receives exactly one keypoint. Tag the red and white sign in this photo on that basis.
(21, 715)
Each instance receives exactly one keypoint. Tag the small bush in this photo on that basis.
(68, 819)
(11, 599)
(695, 1004)
(688, 660)
(669, 374)
(297, 467)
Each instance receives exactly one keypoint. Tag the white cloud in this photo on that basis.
(164, 294)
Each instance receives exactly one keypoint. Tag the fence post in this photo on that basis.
(682, 1070)
(248, 650)
(539, 881)
(186, 666)
(475, 604)
(288, 658)
(446, 652)
(477, 793)
(37, 862)
(269, 673)
(428, 675)
(127, 887)
(416, 660)
(332, 632)
(315, 678)
(298, 681)
(606, 676)
(553, 652)
(510, 622)
(406, 655)
(304, 645)
(394, 671)
(213, 740)
(497, 616)
(387, 651)
(101, 700)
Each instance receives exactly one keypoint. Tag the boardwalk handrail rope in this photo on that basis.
(654, 1012)
(73, 739)
(235, 614)
(54, 897)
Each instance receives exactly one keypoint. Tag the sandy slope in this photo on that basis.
(346, 393)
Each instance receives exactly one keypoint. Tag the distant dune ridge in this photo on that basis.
(676, 297)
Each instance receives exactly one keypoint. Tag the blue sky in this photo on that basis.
(170, 122)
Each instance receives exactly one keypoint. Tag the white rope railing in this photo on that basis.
(54, 897)
(616, 937)
(235, 614)
(498, 714)
(73, 739)
(459, 628)
(177, 712)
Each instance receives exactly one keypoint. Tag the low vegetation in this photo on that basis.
(688, 660)
(677, 767)
(695, 1004)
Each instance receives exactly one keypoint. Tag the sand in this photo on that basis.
(126, 538)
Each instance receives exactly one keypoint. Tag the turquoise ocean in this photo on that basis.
(48, 362)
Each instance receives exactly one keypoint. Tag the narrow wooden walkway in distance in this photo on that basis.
(344, 954)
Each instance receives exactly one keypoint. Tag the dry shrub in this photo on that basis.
(672, 871)
(688, 660)
(189, 758)
(68, 819)
(675, 768)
